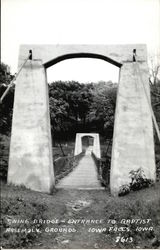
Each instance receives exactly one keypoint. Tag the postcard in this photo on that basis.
(80, 124)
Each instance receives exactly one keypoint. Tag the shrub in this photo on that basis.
(139, 180)
(4, 155)
(124, 189)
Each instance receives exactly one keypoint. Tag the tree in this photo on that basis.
(6, 110)
(154, 76)
(76, 107)
(6, 107)
(154, 81)
(103, 106)
(84, 100)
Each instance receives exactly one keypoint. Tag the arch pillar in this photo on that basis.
(78, 145)
(96, 146)
(30, 159)
(133, 142)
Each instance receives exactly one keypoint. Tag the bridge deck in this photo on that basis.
(83, 176)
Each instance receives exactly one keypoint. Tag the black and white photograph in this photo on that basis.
(80, 124)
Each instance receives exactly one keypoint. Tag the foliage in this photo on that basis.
(64, 165)
(137, 205)
(76, 107)
(6, 110)
(155, 99)
(11, 210)
(124, 189)
(4, 153)
(103, 169)
(6, 107)
(138, 181)
(154, 70)
(103, 105)
(69, 103)
(133, 207)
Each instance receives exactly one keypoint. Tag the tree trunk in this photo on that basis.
(61, 149)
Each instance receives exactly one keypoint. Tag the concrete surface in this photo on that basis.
(133, 144)
(49, 53)
(30, 158)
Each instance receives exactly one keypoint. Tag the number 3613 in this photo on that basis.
(124, 240)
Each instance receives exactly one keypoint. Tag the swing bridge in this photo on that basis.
(30, 158)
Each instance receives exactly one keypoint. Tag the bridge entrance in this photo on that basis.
(87, 144)
(95, 147)
(30, 161)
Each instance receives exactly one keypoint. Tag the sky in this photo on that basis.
(79, 22)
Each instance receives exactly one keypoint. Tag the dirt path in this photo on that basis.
(77, 208)
(82, 218)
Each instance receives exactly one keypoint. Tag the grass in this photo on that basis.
(19, 202)
(18, 208)
(68, 149)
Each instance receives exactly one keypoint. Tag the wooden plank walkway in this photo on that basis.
(84, 176)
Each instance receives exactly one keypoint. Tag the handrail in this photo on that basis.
(103, 168)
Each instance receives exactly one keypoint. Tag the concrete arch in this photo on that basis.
(30, 159)
(96, 143)
(81, 55)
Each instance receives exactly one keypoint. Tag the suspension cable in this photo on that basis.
(148, 101)
(15, 77)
